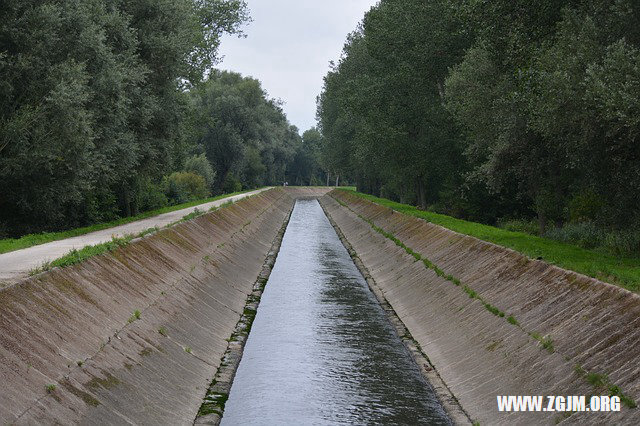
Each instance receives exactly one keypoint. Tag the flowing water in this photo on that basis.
(321, 350)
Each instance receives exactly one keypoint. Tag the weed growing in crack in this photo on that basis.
(135, 316)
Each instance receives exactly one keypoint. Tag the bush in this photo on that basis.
(231, 184)
(530, 227)
(101, 206)
(200, 165)
(585, 206)
(151, 196)
(583, 234)
(625, 242)
(182, 187)
(588, 235)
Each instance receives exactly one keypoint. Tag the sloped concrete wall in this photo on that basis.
(593, 326)
(74, 328)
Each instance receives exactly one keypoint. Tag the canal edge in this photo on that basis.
(447, 399)
(213, 404)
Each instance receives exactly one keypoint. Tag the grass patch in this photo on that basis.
(135, 316)
(195, 213)
(601, 382)
(622, 271)
(12, 244)
(511, 320)
(472, 294)
(77, 256)
(627, 401)
(495, 311)
(597, 380)
(545, 341)
(188, 350)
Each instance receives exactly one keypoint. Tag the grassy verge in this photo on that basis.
(600, 382)
(12, 244)
(621, 271)
(76, 256)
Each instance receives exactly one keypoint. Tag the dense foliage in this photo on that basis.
(243, 133)
(112, 107)
(497, 111)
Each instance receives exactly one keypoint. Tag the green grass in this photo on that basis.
(12, 244)
(135, 316)
(511, 319)
(77, 256)
(622, 271)
(601, 382)
(546, 342)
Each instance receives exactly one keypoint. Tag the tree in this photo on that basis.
(244, 134)
(93, 106)
(383, 102)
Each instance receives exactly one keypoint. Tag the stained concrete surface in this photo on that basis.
(593, 325)
(73, 350)
(15, 265)
(75, 328)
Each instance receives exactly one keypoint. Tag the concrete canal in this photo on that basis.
(151, 333)
(321, 349)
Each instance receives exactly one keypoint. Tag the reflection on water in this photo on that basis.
(321, 350)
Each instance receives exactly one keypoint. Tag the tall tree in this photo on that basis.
(93, 101)
(245, 134)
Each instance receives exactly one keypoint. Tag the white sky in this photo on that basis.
(288, 48)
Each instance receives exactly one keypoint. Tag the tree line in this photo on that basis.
(112, 107)
(512, 112)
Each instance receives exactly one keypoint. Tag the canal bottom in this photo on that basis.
(321, 349)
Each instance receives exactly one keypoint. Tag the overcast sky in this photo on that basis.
(288, 48)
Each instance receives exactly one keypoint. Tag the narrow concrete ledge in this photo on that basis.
(494, 322)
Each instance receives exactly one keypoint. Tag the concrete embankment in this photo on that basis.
(136, 335)
(15, 265)
(493, 322)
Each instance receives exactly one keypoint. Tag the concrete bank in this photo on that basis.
(493, 322)
(15, 265)
(134, 336)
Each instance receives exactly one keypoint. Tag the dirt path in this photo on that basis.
(15, 265)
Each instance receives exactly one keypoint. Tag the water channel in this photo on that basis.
(321, 350)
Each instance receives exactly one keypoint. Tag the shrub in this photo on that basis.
(200, 165)
(585, 206)
(584, 234)
(625, 242)
(530, 227)
(181, 187)
(231, 184)
(151, 196)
